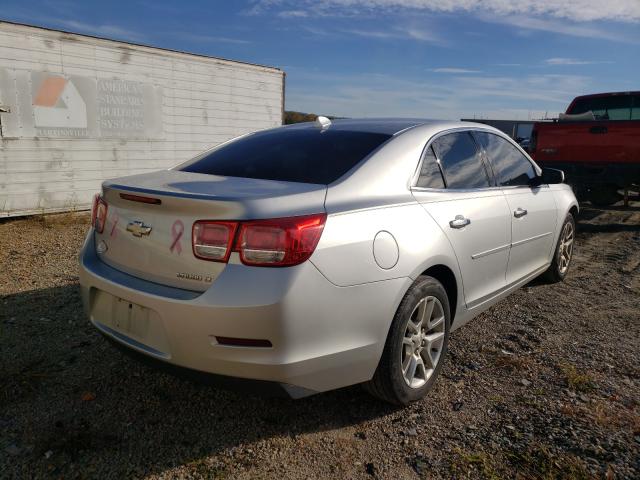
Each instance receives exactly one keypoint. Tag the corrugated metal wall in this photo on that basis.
(84, 109)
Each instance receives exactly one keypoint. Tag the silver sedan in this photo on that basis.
(310, 257)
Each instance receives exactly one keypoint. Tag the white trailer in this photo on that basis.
(76, 110)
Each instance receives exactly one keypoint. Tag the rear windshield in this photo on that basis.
(291, 155)
(614, 107)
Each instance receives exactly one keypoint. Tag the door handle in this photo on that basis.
(519, 212)
(459, 222)
(598, 129)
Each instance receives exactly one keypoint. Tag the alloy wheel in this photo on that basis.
(566, 248)
(423, 342)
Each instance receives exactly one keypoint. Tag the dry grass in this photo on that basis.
(536, 462)
(473, 465)
(607, 414)
(576, 380)
(513, 362)
(62, 219)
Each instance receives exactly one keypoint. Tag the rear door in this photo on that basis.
(532, 209)
(473, 215)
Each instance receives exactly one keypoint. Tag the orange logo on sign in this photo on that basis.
(50, 91)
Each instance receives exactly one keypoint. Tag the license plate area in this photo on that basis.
(130, 318)
(139, 326)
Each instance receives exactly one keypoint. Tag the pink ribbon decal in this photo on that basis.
(114, 221)
(177, 229)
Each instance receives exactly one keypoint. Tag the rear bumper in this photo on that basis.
(323, 336)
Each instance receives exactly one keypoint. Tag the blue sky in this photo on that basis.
(415, 58)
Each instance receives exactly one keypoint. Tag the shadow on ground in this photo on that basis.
(92, 404)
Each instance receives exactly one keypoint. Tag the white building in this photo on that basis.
(75, 110)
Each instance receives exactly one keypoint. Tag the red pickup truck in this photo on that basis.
(596, 143)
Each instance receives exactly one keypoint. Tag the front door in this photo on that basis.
(533, 219)
(532, 208)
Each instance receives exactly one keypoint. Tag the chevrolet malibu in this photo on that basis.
(310, 257)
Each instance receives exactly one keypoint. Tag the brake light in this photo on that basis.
(141, 199)
(279, 242)
(99, 213)
(212, 240)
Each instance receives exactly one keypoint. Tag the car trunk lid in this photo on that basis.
(150, 217)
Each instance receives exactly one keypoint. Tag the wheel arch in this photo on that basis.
(574, 210)
(447, 278)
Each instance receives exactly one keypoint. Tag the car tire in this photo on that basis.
(560, 264)
(393, 381)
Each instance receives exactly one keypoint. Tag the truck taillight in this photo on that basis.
(279, 242)
(99, 213)
(212, 240)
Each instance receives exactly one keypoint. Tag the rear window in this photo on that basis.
(291, 155)
(615, 107)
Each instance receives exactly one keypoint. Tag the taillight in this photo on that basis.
(279, 242)
(212, 240)
(99, 213)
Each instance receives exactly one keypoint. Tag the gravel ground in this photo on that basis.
(546, 384)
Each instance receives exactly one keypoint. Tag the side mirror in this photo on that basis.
(551, 176)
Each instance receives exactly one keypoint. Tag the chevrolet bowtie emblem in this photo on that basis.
(138, 229)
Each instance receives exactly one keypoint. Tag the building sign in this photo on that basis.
(70, 106)
(120, 107)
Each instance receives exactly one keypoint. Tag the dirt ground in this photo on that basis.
(546, 384)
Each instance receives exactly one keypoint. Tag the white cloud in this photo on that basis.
(560, 27)
(396, 33)
(372, 33)
(576, 10)
(374, 94)
(293, 14)
(453, 70)
(570, 61)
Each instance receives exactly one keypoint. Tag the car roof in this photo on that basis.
(389, 126)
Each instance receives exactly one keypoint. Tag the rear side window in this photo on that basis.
(616, 107)
(309, 155)
(510, 166)
(635, 109)
(461, 163)
(430, 175)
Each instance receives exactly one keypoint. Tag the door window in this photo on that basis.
(430, 175)
(510, 166)
(463, 168)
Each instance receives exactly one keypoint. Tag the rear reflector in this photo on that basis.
(99, 213)
(212, 240)
(140, 199)
(243, 342)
